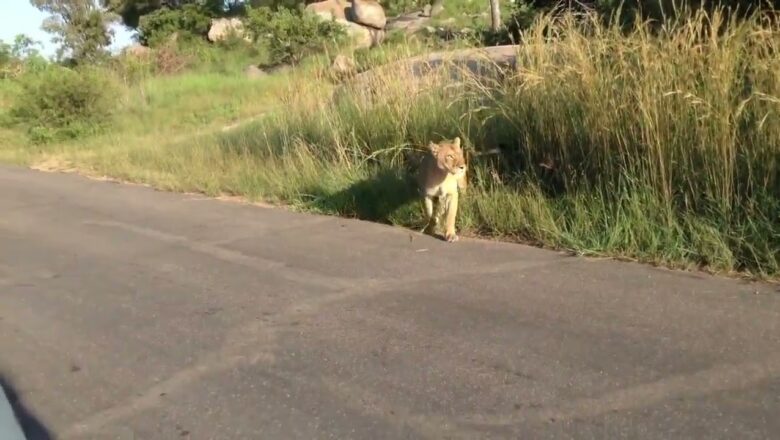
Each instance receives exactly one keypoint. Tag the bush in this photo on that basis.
(397, 7)
(188, 21)
(290, 33)
(19, 57)
(228, 56)
(6, 56)
(132, 69)
(58, 103)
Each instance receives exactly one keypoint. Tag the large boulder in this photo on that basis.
(364, 26)
(361, 36)
(368, 13)
(221, 28)
(485, 65)
(408, 23)
(329, 9)
(377, 36)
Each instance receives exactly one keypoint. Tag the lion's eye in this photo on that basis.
(449, 156)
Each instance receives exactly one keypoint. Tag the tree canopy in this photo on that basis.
(131, 11)
(81, 27)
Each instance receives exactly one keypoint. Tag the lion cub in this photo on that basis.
(442, 175)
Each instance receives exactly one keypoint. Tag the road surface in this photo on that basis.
(127, 313)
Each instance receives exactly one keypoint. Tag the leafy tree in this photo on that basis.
(25, 47)
(6, 56)
(131, 11)
(188, 21)
(81, 28)
(292, 34)
(20, 56)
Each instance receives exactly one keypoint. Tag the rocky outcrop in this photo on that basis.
(330, 9)
(367, 13)
(221, 28)
(360, 35)
(408, 23)
(364, 20)
(488, 64)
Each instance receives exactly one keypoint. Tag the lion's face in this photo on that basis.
(449, 156)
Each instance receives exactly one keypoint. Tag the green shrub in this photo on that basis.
(230, 55)
(6, 56)
(188, 21)
(20, 57)
(290, 33)
(397, 7)
(59, 103)
(132, 69)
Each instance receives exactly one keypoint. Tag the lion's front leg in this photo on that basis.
(430, 215)
(452, 212)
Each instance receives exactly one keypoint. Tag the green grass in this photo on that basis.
(662, 148)
(155, 114)
(473, 14)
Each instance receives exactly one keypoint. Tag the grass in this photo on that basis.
(657, 146)
(472, 14)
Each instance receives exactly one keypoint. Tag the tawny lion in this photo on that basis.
(442, 176)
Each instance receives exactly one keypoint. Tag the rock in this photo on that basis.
(489, 64)
(408, 23)
(361, 36)
(137, 51)
(221, 28)
(377, 36)
(254, 72)
(330, 9)
(343, 66)
(436, 8)
(426, 12)
(444, 33)
(368, 13)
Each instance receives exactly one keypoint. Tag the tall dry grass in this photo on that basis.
(659, 143)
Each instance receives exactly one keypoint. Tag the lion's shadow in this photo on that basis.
(384, 196)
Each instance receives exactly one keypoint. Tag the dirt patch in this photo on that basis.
(58, 165)
(54, 165)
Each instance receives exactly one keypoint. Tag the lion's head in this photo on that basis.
(449, 156)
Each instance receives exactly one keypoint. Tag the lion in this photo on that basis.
(442, 176)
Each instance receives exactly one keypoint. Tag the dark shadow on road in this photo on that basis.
(385, 195)
(33, 429)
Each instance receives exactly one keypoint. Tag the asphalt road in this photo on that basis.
(127, 313)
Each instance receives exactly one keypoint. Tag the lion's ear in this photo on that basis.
(434, 148)
(456, 142)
